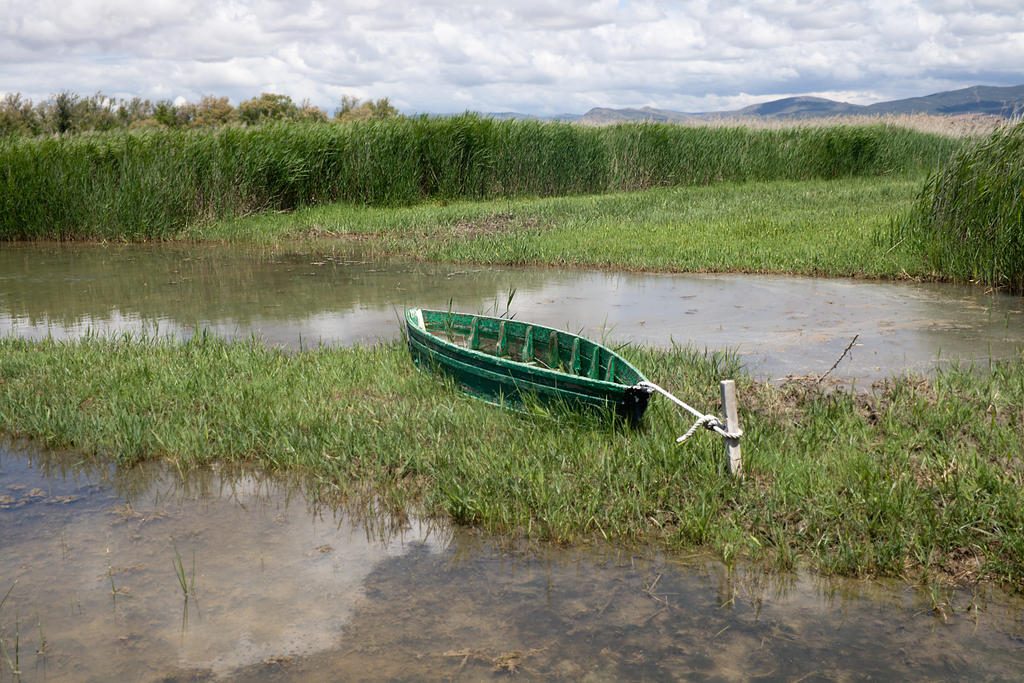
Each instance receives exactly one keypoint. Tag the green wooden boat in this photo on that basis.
(502, 361)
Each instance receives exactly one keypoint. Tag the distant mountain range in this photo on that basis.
(1005, 102)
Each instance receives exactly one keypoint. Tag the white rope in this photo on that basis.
(707, 421)
(701, 422)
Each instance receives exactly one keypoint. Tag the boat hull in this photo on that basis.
(504, 362)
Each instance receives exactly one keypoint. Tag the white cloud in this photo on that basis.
(526, 55)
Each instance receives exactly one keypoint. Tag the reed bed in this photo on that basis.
(965, 126)
(969, 218)
(156, 185)
(921, 479)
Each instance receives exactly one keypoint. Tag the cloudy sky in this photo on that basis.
(535, 56)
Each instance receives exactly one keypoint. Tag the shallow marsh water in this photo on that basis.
(780, 325)
(286, 588)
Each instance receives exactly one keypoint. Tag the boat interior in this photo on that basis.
(530, 344)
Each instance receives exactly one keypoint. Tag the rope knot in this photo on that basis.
(705, 421)
(711, 422)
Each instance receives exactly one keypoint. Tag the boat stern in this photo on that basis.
(634, 403)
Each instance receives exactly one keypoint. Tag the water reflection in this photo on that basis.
(92, 555)
(780, 325)
(285, 586)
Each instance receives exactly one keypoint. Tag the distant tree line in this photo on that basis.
(68, 112)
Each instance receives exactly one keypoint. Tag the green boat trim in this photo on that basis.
(502, 361)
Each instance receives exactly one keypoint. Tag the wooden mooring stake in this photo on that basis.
(732, 424)
(730, 431)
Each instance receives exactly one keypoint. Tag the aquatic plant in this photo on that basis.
(969, 219)
(187, 582)
(157, 184)
(13, 662)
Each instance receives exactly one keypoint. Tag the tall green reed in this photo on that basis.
(155, 185)
(969, 218)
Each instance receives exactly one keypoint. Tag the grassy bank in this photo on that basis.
(806, 227)
(922, 479)
(158, 184)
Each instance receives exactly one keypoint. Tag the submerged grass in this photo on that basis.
(159, 184)
(13, 663)
(921, 479)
